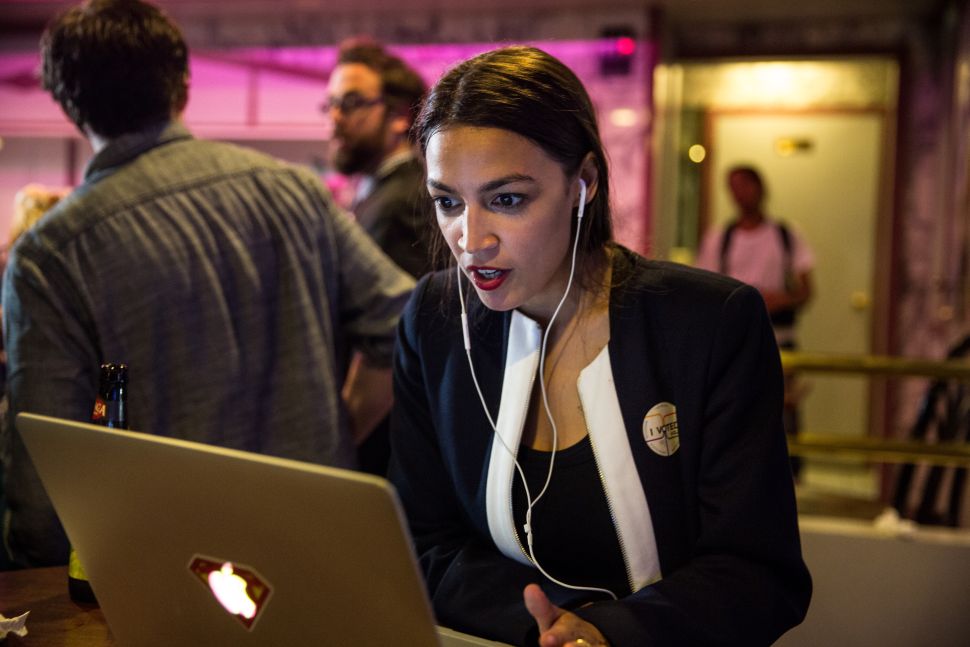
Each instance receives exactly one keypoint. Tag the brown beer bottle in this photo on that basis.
(110, 410)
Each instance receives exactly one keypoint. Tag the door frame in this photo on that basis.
(882, 305)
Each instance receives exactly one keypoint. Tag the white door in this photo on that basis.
(821, 173)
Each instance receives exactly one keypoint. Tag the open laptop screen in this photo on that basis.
(186, 543)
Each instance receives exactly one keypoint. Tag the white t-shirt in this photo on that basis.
(756, 256)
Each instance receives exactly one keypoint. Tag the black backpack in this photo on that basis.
(782, 317)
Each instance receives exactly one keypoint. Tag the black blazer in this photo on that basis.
(398, 216)
(722, 506)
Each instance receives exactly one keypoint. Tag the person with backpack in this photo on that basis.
(770, 256)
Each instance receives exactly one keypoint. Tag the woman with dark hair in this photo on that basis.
(588, 444)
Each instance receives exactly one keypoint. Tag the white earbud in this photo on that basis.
(582, 199)
(466, 337)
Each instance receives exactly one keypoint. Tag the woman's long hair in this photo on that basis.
(526, 91)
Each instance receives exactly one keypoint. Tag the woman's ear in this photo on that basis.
(589, 174)
(399, 125)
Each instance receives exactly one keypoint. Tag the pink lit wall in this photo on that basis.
(269, 98)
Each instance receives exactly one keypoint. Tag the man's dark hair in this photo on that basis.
(402, 87)
(115, 66)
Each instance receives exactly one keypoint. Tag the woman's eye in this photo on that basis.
(444, 203)
(508, 200)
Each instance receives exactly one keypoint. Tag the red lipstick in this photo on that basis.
(487, 278)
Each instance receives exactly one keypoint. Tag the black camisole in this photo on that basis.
(574, 538)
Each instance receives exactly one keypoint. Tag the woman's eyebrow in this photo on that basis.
(507, 179)
(491, 185)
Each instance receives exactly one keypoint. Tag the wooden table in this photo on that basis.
(54, 619)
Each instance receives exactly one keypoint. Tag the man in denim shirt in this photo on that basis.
(229, 283)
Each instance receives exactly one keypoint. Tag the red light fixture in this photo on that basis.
(626, 46)
(618, 47)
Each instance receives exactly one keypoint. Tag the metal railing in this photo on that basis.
(879, 449)
(877, 365)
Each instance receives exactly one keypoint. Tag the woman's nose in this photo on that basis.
(476, 233)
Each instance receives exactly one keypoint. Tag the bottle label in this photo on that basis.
(74, 568)
(100, 410)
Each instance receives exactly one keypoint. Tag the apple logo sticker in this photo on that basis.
(239, 589)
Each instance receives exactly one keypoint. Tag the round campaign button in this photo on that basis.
(660, 429)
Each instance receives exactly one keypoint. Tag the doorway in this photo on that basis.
(821, 132)
(822, 172)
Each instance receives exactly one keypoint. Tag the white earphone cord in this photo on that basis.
(545, 401)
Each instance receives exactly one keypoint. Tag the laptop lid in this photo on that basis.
(191, 544)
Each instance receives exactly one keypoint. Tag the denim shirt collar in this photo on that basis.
(125, 148)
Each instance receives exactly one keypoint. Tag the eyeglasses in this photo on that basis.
(350, 102)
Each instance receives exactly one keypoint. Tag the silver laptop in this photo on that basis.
(190, 544)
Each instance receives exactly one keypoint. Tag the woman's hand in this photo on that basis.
(558, 627)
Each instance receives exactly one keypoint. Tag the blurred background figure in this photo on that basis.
(229, 282)
(29, 204)
(373, 97)
(770, 256)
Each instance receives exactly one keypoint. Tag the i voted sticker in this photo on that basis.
(660, 429)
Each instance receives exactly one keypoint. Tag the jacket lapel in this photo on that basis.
(636, 342)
